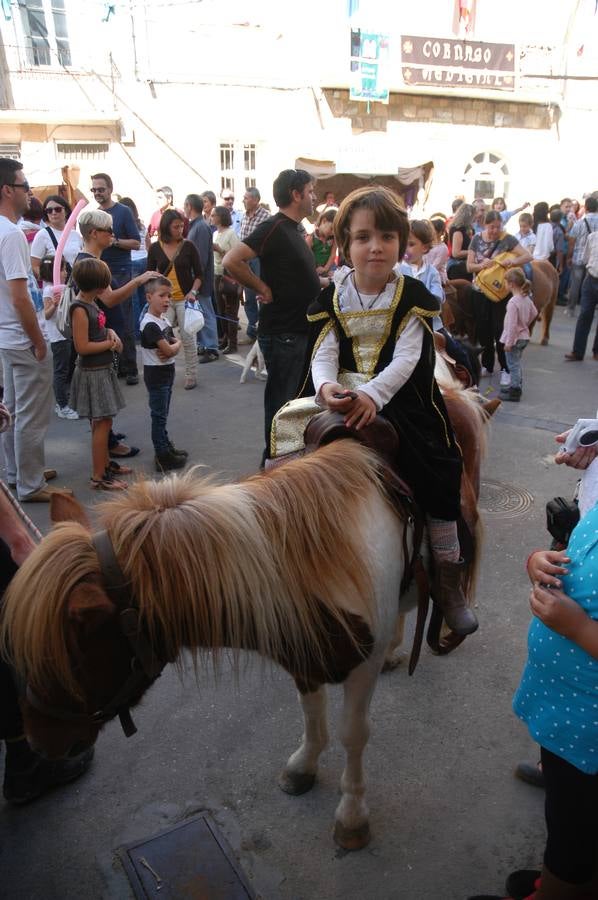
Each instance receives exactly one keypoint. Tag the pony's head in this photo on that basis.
(62, 633)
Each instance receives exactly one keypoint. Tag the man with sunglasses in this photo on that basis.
(117, 256)
(27, 367)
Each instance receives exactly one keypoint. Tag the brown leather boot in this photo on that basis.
(448, 594)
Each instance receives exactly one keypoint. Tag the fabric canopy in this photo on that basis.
(407, 182)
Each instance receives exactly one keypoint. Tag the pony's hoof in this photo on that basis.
(296, 783)
(393, 661)
(352, 838)
(544, 342)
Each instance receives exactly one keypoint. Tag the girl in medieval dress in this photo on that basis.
(374, 354)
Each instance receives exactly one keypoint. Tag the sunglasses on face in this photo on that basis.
(98, 190)
(52, 209)
(106, 230)
(23, 184)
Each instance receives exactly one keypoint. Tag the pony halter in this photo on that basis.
(146, 666)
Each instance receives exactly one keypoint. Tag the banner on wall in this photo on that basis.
(457, 63)
(369, 66)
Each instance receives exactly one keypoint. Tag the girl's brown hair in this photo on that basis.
(91, 275)
(389, 215)
(517, 277)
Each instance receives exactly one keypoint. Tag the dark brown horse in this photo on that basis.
(545, 284)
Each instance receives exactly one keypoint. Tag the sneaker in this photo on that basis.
(209, 356)
(65, 412)
(505, 378)
(132, 379)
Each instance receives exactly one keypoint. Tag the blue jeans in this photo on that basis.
(127, 364)
(589, 299)
(284, 355)
(208, 336)
(138, 298)
(159, 404)
(514, 362)
(251, 306)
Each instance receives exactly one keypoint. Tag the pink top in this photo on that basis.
(520, 314)
(437, 256)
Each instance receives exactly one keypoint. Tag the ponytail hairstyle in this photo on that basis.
(516, 276)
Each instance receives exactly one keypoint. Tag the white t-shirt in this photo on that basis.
(14, 264)
(544, 241)
(42, 245)
(226, 240)
(51, 329)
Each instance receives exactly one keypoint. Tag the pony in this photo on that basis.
(545, 286)
(303, 564)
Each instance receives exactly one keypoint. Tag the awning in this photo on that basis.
(406, 181)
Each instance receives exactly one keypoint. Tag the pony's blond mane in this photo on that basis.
(253, 564)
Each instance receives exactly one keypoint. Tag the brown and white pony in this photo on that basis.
(303, 565)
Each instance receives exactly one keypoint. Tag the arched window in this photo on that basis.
(486, 176)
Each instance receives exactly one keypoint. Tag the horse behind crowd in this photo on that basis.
(303, 564)
(545, 287)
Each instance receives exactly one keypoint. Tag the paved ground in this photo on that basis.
(447, 816)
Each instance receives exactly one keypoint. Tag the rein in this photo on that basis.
(146, 666)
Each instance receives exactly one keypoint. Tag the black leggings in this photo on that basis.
(571, 811)
(489, 320)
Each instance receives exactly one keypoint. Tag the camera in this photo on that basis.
(583, 434)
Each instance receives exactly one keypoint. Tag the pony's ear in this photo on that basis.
(64, 508)
(89, 607)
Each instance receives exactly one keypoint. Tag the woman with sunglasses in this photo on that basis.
(55, 214)
(95, 226)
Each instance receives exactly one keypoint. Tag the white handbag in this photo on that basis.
(194, 320)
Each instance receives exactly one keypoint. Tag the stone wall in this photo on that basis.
(430, 108)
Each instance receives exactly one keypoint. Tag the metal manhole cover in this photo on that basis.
(499, 499)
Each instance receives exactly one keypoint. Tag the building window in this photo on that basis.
(10, 151)
(249, 165)
(237, 166)
(486, 176)
(90, 152)
(45, 30)
(227, 167)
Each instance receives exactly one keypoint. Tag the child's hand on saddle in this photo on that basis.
(328, 396)
(362, 412)
(557, 611)
(544, 566)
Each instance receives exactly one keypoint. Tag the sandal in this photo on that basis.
(130, 451)
(119, 436)
(116, 469)
(107, 483)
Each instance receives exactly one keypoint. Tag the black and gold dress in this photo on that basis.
(430, 460)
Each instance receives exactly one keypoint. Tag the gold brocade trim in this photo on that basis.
(317, 316)
(415, 311)
(367, 368)
(325, 330)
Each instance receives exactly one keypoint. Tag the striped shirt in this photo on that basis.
(591, 254)
(248, 223)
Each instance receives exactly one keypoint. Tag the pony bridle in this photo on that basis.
(146, 665)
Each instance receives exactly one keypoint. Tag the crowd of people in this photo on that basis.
(346, 312)
(216, 258)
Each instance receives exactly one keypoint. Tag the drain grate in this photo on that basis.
(506, 500)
